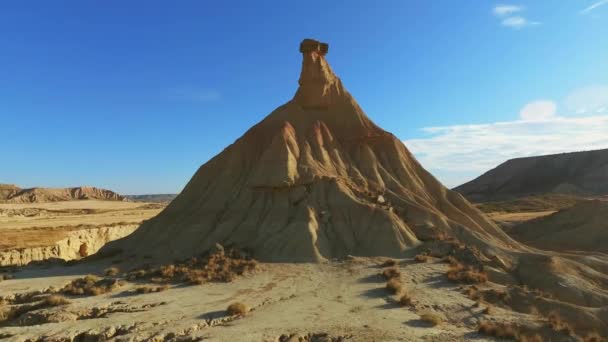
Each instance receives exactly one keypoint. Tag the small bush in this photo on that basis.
(237, 308)
(394, 286)
(450, 260)
(389, 263)
(498, 330)
(405, 300)
(557, 324)
(465, 274)
(391, 273)
(222, 266)
(91, 285)
(149, 289)
(431, 318)
(55, 300)
(487, 311)
(111, 271)
(422, 258)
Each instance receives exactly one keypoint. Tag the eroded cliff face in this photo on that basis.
(75, 245)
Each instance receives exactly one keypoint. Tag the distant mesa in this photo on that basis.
(10, 193)
(578, 173)
(314, 180)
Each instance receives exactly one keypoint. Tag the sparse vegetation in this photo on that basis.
(389, 263)
(466, 274)
(405, 300)
(391, 273)
(487, 310)
(505, 330)
(422, 258)
(151, 289)
(450, 259)
(558, 324)
(394, 286)
(238, 308)
(8, 313)
(55, 300)
(431, 317)
(91, 285)
(111, 271)
(220, 266)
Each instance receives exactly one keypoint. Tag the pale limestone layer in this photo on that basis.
(68, 248)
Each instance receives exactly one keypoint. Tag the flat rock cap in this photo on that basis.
(311, 45)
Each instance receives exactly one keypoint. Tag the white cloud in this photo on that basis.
(456, 154)
(538, 110)
(515, 22)
(509, 19)
(594, 6)
(588, 100)
(503, 10)
(194, 94)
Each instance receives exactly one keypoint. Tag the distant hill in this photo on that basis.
(151, 198)
(583, 227)
(577, 173)
(535, 203)
(10, 193)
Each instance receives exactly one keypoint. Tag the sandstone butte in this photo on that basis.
(317, 180)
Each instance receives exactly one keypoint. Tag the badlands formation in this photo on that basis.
(315, 180)
(10, 193)
(65, 230)
(322, 196)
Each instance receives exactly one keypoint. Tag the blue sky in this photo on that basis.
(135, 96)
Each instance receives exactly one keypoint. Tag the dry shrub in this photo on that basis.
(55, 300)
(451, 260)
(558, 324)
(594, 337)
(391, 273)
(8, 313)
(237, 308)
(405, 300)
(5, 312)
(431, 318)
(221, 266)
(466, 274)
(150, 289)
(389, 263)
(91, 285)
(422, 258)
(111, 271)
(488, 310)
(394, 286)
(506, 330)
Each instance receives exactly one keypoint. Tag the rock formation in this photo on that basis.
(14, 194)
(579, 173)
(316, 179)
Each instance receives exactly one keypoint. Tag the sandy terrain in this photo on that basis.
(345, 299)
(37, 231)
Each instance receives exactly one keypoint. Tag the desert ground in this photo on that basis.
(334, 301)
(39, 231)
